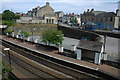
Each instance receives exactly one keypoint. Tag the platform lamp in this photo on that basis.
(8, 49)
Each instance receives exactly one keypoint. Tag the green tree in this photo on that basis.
(17, 16)
(26, 34)
(5, 70)
(8, 15)
(52, 36)
(73, 19)
(8, 23)
(0, 16)
(8, 31)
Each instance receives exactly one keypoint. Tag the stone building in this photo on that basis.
(102, 19)
(69, 17)
(39, 14)
(59, 14)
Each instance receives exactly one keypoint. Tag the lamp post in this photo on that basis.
(8, 49)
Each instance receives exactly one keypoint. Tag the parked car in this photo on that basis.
(70, 24)
(116, 31)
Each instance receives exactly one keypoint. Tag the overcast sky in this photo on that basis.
(67, 6)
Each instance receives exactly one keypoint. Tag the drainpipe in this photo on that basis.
(105, 36)
(104, 45)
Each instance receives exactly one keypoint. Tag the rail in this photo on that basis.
(71, 65)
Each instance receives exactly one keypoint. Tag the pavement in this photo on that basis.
(104, 68)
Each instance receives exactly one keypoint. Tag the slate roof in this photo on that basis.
(45, 6)
(107, 14)
(90, 45)
(97, 12)
(58, 12)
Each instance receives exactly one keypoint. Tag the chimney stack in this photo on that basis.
(87, 10)
(47, 3)
(92, 9)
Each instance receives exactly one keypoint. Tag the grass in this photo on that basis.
(28, 27)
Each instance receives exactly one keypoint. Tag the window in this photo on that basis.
(52, 20)
(49, 20)
(111, 19)
(96, 19)
(101, 19)
(92, 19)
(106, 19)
(46, 20)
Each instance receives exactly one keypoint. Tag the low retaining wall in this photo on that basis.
(78, 34)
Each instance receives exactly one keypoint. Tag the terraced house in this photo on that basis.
(102, 19)
(39, 14)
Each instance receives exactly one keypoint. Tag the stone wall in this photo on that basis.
(78, 34)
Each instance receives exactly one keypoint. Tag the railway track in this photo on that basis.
(45, 59)
(67, 71)
(40, 71)
(20, 64)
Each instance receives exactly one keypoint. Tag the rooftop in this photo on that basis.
(107, 14)
(97, 12)
(90, 45)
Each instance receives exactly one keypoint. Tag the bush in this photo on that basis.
(26, 34)
(8, 23)
(52, 36)
(8, 31)
(5, 70)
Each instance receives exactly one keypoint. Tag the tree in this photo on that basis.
(5, 70)
(26, 34)
(17, 16)
(8, 15)
(52, 36)
(0, 16)
(73, 19)
(8, 23)
(8, 31)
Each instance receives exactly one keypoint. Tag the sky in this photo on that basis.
(67, 6)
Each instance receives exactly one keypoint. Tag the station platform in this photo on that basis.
(102, 67)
